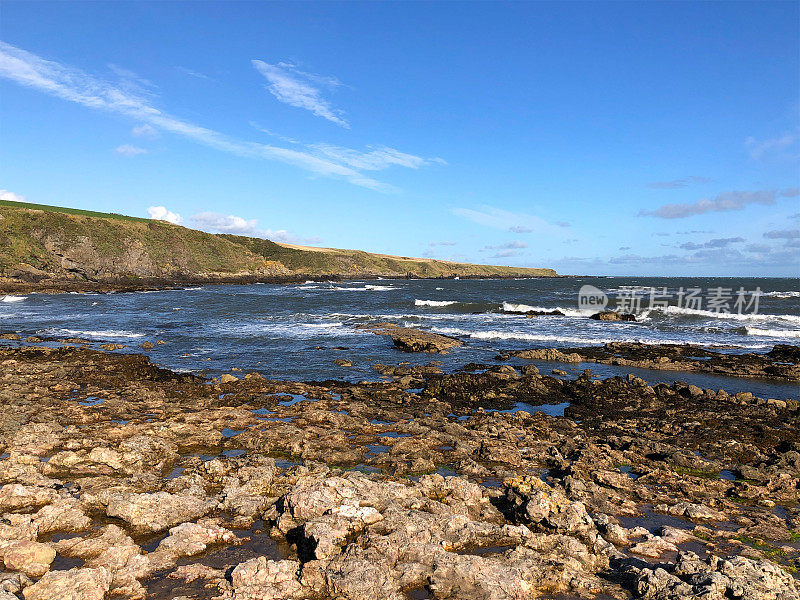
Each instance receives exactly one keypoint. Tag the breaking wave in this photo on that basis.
(776, 333)
(434, 302)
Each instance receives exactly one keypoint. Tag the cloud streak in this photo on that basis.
(301, 90)
(678, 183)
(497, 218)
(74, 85)
(723, 202)
(760, 149)
(129, 151)
(715, 243)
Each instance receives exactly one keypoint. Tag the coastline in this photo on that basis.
(494, 474)
(161, 283)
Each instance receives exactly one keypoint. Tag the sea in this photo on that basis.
(296, 331)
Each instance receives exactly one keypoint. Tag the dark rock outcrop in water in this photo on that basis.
(123, 480)
(610, 315)
(782, 362)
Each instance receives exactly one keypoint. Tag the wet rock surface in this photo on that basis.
(119, 479)
(414, 340)
(782, 362)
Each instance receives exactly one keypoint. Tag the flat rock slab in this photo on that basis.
(414, 340)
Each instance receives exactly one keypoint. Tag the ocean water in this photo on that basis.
(297, 331)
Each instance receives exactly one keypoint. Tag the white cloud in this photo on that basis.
(376, 159)
(11, 196)
(145, 131)
(76, 86)
(723, 202)
(299, 89)
(785, 234)
(678, 183)
(506, 254)
(759, 149)
(497, 218)
(129, 150)
(219, 223)
(515, 245)
(231, 224)
(192, 73)
(160, 213)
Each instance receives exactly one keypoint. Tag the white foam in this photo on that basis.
(510, 307)
(99, 334)
(568, 339)
(10, 298)
(679, 310)
(776, 333)
(366, 288)
(789, 294)
(434, 302)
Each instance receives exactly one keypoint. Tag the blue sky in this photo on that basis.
(605, 138)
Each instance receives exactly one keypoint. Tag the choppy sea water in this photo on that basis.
(296, 331)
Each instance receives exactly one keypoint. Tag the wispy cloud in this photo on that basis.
(129, 151)
(192, 73)
(754, 256)
(375, 159)
(498, 218)
(144, 131)
(506, 253)
(758, 149)
(678, 183)
(783, 234)
(300, 89)
(76, 86)
(515, 245)
(445, 243)
(723, 202)
(715, 243)
(11, 196)
(219, 223)
(160, 213)
(214, 222)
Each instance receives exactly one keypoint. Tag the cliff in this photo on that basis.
(48, 247)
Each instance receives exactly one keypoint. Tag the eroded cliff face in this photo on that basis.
(40, 247)
(52, 249)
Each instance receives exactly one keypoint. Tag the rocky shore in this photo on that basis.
(120, 479)
(782, 362)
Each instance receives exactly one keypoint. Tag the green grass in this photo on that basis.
(70, 243)
(696, 472)
(762, 546)
(70, 211)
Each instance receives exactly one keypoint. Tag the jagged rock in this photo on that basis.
(158, 511)
(263, 579)
(75, 584)
(31, 558)
(717, 579)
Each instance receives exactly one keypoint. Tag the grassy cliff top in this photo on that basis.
(40, 241)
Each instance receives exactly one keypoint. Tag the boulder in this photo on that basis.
(610, 315)
(29, 557)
